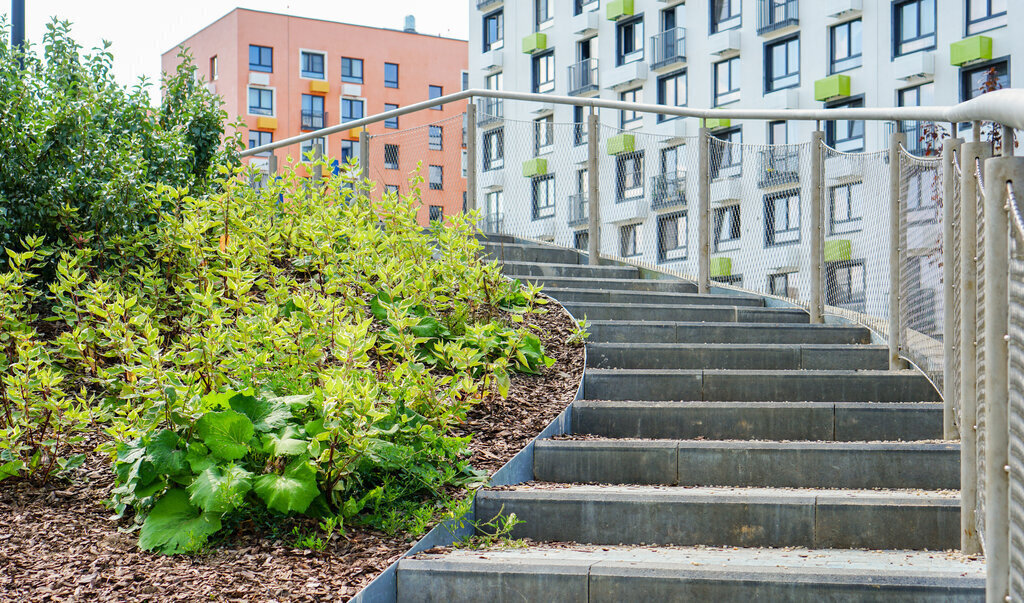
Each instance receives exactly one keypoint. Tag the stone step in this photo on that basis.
(496, 238)
(745, 517)
(580, 574)
(526, 252)
(521, 270)
(763, 464)
(620, 284)
(722, 332)
(736, 356)
(685, 313)
(823, 421)
(614, 296)
(755, 385)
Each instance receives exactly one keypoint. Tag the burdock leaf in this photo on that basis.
(220, 489)
(226, 433)
(175, 526)
(293, 491)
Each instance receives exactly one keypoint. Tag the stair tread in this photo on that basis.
(723, 494)
(741, 346)
(702, 323)
(766, 372)
(752, 444)
(687, 306)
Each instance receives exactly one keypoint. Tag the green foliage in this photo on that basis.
(494, 533)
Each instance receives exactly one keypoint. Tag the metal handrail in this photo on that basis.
(1001, 106)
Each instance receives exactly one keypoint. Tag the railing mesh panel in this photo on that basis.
(952, 389)
(1016, 417)
(981, 410)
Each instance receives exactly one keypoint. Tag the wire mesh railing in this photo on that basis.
(980, 398)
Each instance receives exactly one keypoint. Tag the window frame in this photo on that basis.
(435, 209)
(303, 73)
(351, 102)
(259, 112)
(635, 25)
(859, 57)
(664, 252)
(771, 234)
(394, 151)
(631, 120)
(392, 123)
(773, 277)
(545, 9)
(733, 94)
(259, 142)
(633, 238)
(435, 143)
(897, 28)
(437, 185)
(547, 210)
(831, 125)
(675, 76)
(1000, 19)
(313, 102)
(309, 146)
(629, 165)
(735, 12)
(498, 16)
(261, 66)
(831, 290)
(728, 161)
(351, 78)
(579, 134)
(493, 149)
(731, 243)
(854, 222)
(435, 91)
(389, 83)
(547, 59)
(966, 71)
(544, 135)
(581, 6)
(770, 79)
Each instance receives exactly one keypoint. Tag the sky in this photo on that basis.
(142, 30)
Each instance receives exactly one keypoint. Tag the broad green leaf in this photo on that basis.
(10, 469)
(266, 415)
(287, 442)
(226, 433)
(293, 491)
(175, 526)
(220, 489)
(164, 453)
(198, 457)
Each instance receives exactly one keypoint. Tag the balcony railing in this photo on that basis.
(579, 210)
(779, 166)
(668, 47)
(314, 120)
(583, 77)
(776, 14)
(484, 4)
(493, 223)
(668, 190)
(491, 110)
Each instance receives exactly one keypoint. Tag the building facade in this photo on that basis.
(285, 75)
(795, 54)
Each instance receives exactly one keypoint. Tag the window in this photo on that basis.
(725, 14)
(629, 176)
(914, 24)
(261, 101)
(778, 132)
(261, 58)
(543, 11)
(390, 75)
(391, 156)
(921, 138)
(465, 80)
(844, 208)
(390, 189)
(979, 79)
(581, 240)
(436, 213)
(845, 46)
(544, 72)
(631, 119)
(727, 228)
(308, 148)
(782, 64)
(578, 6)
(348, 150)
(543, 134)
(629, 41)
(727, 159)
(214, 69)
(627, 240)
(727, 81)
(843, 135)
(258, 139)
(494, 30)
(844, 284)
(782, 218)
(352, 70)
(313, 116)
(579, 133)
(435, 138)
(436, 178)
(494, 149)
(983, 15)
(672, 92)
(544, 196)
(672, 237)
(352, 109)
(778, 284)
(311, 64)
(435, 92)
(391, 124)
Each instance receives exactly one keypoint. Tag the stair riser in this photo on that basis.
(732, 333)
(634, 284)
(754, 358)
(684, 313)
(581, 271)
(640, 297)
(518, 253)
(741, 387)
(790, 521)
(851, 422)
(836, 466)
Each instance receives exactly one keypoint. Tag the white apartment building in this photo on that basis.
(728, 53)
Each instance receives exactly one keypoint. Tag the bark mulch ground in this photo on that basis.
(61, 543)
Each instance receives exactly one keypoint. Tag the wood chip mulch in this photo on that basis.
(60, 543)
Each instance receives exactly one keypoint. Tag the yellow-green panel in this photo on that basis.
(622, 143)
(619, 8)
(838, 251)
(715, 124)
(974, 48)
(534, 42)
(535, 167)
(721, 267)
(831, 87)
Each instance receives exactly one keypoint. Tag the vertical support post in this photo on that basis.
(817, 232)
(997, 437)
(896, 140)
(272, 165)
(318, 170)
(364, 154)
(703, 210)
(950, 254)
(972, 151)
(18, 25)
(593, 192)
(471, 156)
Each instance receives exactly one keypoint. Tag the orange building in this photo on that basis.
(285, 75)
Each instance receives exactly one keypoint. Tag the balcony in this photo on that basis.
(313, 120)
(579, 210)
(583, 77)
(668, 190)
(668, 48)
(779, 166)
(490, 111)
(773, 15)
(488, 4)
(493, 223)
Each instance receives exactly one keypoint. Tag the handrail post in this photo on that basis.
(817, 232)
(593, 190)
(970, 543)
(364, 155)
(950, 254)
(318, 170)
(272, 165)
(896, 140)
(471, 156)
(998, 171)
(703, 211)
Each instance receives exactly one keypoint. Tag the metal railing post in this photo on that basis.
(703, 211)
(950, 254)
(364, 154)
(817, 232)
(318, 155)
(970, 152)
(471, 156)
(896, 140)
(593, 192)
(272, 165)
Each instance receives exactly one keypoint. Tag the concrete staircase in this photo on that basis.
(724, 451)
